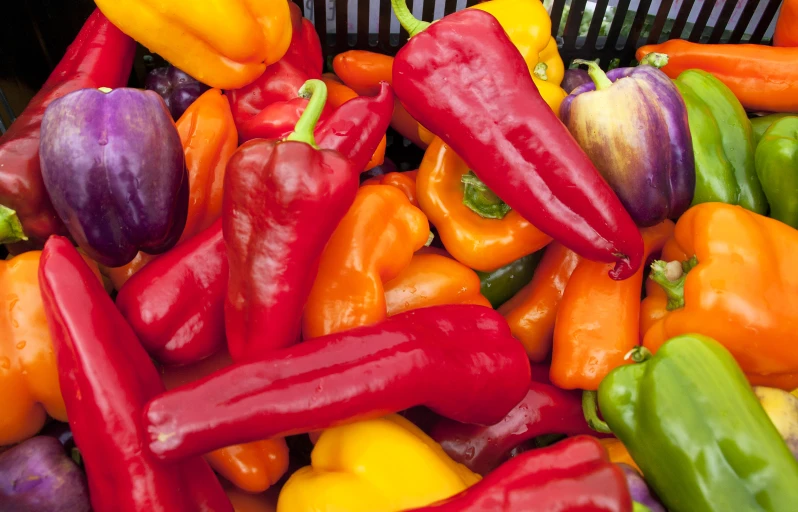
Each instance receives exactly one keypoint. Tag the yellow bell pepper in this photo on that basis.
(223, 44)
(380, 465)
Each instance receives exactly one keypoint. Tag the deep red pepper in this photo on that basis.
(545, 409)
(282, 201)
(459, 360)
(106, 378)
(175, 304)
(484, 105)
(100, 56)
(305, 49)
(574, 475)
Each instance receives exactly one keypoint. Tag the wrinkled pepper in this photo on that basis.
(786, 33)
(503, 283)
(689, 419)
(106, 378)
(760, 124)
(222, 44)
(372, 244)
(305, 48)
(432, 356)
(514, 144)
(404, 181)
(285, 184)
(776, 160)
(379, 465)
(598, 321)
(531, 313)
(742, 290)
(466, 221)
(100, 56)
(574, 474)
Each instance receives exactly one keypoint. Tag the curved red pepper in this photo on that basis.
(305, 49)
(458, 360)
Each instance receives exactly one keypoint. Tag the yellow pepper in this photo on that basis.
(223, 44)
(380, 465)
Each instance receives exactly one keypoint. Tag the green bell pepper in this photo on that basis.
(722, 143)
(692, 423)
(500, 285)
(761, 124)
(777, 168)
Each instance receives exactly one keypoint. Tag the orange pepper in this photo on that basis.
(252, 467)
(246, 502)
(119, 275)
(432, 280)
(598, 321)
(29, 388)
(404, 181)
(532, 311)
(477, 242)
(618, 453)
(372, 244)
(786, 33)
(743, 291)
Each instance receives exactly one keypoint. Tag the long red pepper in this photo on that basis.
(458, 360)
(100, 56)
(106, 378)
(305, 48)
(464, 80)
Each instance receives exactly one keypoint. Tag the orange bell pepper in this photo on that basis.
(480, 243)
(432, 280)
(372, 244)
(741, 289)
(532, 311)
(29, 388)
(252, 467)
(404, 181)
(598, 321)
(786, 33)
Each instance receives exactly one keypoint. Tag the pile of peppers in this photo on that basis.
(221, 295)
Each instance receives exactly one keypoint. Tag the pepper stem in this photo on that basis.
(482, 200)
(540, 71)
(315, 91)
(409, 22)
(671, 276)
(598, 76)
(10, 226)
(655, 59)
(639, 354)
(590, 410)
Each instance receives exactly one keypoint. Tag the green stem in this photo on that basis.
(639, 354)
(655, 59)
(10, 226)
(482, 200)
(671, 277)
(590, 410)
(409, 22)
(316, 93)
(430, 238)
(598, 76)
(540, 70)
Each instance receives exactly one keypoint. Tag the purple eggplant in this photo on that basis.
(573, 78)
(632, 123)
(112, 163)
(639, 489)
(38, 475)
(177, 89)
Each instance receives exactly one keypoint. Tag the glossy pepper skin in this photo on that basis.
(722, 143)
(501, 284)
(691, 422)
(632, 123)
(113, 166)
(384, 464)
(541, 173)
(544, 410)
(776, 160)
(100, 56)
(572, 475)
(404, 181)
(177, 89)
(743, 291)
(274, 232)
(224, 45)
(786, 33)
(760, 124)
(107, 377)
(372, 244)
(305, 48)
(432, 356)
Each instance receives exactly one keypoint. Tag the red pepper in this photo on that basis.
(572, 475)
(484, 104)
(544, 410)
(305, 49)
(106, 378)
(458, 360)
(282, 201)
(100, 56)
(175, 304)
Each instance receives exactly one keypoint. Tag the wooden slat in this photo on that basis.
(556, 16)
(573, 22)
(403, 35)
(681, 19)
(764, 22)
(449, 7)
(595, 25)
(744, 20)
(384, 32)
(617, 25)
(637, 24)
(362, 40)
(659, 21)
(341, 25)
(701, 21)
(320, 21)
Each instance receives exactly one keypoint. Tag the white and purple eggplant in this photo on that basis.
(632, 123)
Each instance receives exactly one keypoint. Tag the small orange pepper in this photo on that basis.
(246, 502)
(532, 311)
(483, 244)
(372, 244)
(598, 321)
(404, 181)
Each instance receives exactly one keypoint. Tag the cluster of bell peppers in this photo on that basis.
(203, 276)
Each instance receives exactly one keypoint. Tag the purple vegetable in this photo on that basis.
(176, 88)
(113, 166)
(37, 475)
(639, 490)
(573, 78)
(632, 123)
